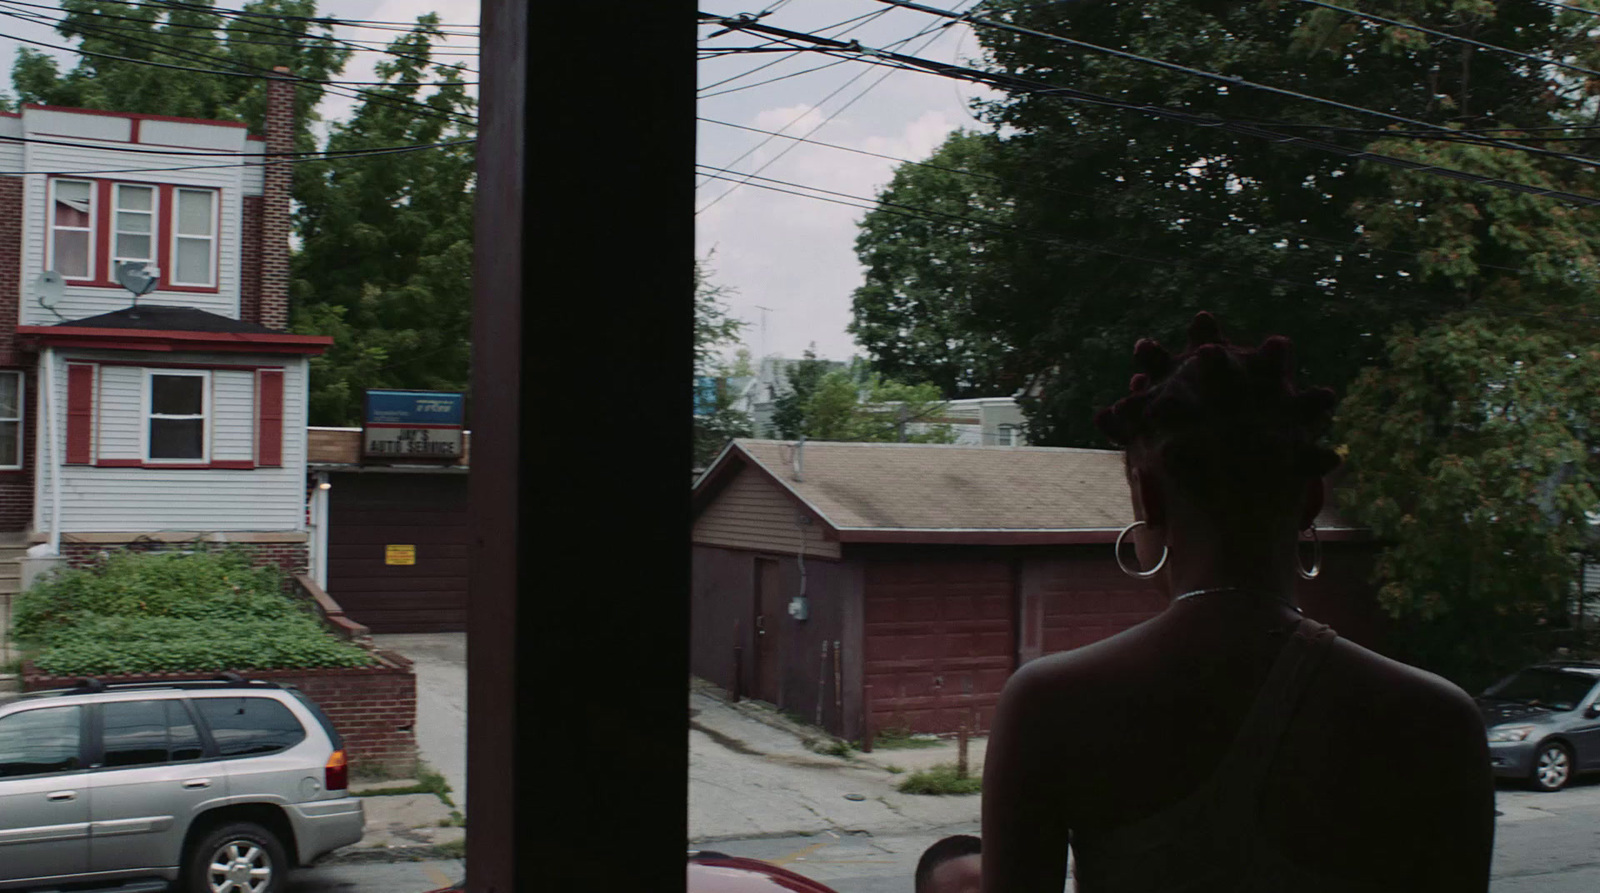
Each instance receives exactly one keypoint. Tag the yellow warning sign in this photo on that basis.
(399, 554)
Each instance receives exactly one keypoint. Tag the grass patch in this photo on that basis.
(156, 612)
(892, 769)
(902, 739)
(453, 849)
(428, 782)
(835, 748)
(939, 780)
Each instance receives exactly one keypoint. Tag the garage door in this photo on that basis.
(372, 519)
(939, 642)
(1072, 602)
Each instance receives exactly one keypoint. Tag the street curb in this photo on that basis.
(367, 855)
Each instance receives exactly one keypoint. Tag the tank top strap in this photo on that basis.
(1249, 760)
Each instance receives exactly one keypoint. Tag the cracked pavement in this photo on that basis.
(749, 780)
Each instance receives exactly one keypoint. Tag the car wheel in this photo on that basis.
(241, 857)
(1552, 767)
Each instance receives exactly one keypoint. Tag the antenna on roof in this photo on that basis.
(139, 278)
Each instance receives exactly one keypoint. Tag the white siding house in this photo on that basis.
(176, 414)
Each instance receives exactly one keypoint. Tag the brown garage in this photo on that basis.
(908, 581)
(394, 538)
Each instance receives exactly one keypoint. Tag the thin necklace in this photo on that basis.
(1195, 592)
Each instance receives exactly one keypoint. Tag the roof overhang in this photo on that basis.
(172, 341)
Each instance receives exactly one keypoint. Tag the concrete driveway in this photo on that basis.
(440, 662)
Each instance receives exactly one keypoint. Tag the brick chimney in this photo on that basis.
(272, 299)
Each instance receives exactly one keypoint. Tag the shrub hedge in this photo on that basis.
(154, 612)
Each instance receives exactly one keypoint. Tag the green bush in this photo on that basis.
(173, 612)
(943, 779)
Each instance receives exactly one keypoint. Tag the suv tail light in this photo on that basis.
(336, 775)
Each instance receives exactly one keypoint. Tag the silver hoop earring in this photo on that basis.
(1316, 557)
(1143, 575)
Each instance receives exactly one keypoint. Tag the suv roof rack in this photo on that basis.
(94, 685)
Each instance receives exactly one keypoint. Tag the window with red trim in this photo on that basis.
(96, 225)
(71, 243)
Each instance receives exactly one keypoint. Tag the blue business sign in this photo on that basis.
(705, 395)
(413, 425)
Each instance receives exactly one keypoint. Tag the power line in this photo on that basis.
(863, 19)
(193, 152)
(923, 214)
(1024, 85)
(235, 27)
(1356, 246)
(1229, 80)
(834, 114)
(230, 29)
(353, 92)
(1542, 60)
(350, 153)
(371, 24)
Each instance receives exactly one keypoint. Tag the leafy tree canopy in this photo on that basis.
(1476, 455)
(915, 314)
(714, 330)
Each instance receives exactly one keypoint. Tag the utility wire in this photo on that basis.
(866, 204)
(862, 19)
(1587, 12)
(371, 24)
(1286, 234)
(937, 33)
(230, 29)
(1014, 83)
(355, 93)
(1542, 60)
(1230, 80)
(192, 152)
(235, 27)
(349, 153)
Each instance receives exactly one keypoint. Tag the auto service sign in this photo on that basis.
(413, 425)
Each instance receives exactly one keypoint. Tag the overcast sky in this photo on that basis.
(790, 254)
(796, 255)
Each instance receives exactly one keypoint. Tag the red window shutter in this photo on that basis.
(269, 417)
(80, 414)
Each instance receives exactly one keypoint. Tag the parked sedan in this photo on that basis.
(1544, 723)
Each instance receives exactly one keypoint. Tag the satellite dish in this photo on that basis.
(138, 277)
(48, 288)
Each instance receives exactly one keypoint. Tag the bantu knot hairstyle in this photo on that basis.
(1219, 414)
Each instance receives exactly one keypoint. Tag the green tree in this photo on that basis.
(385, 262)
(1125, 224)
(844, 407)
(1475, 454)
(914, 314)
(715, 329)
(790, 407)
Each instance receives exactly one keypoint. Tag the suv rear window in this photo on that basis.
(242, 726)
(327, 724)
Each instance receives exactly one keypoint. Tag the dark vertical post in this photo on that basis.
(738, 661)
(866, 719)
(583, 272)
(961, 751)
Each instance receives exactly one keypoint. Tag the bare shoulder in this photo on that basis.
(1358, 675)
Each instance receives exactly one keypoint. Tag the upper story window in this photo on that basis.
(1007, 436)
(194, 243)
(72, 213)
(177, 415)
(134, 215)
(97, 225)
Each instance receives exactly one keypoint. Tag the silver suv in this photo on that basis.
(220, 786)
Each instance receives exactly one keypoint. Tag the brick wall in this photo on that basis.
(374, 708)
(10, 267)
(273, 300)
(16, 487)
(250, 259)
(294, 558)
